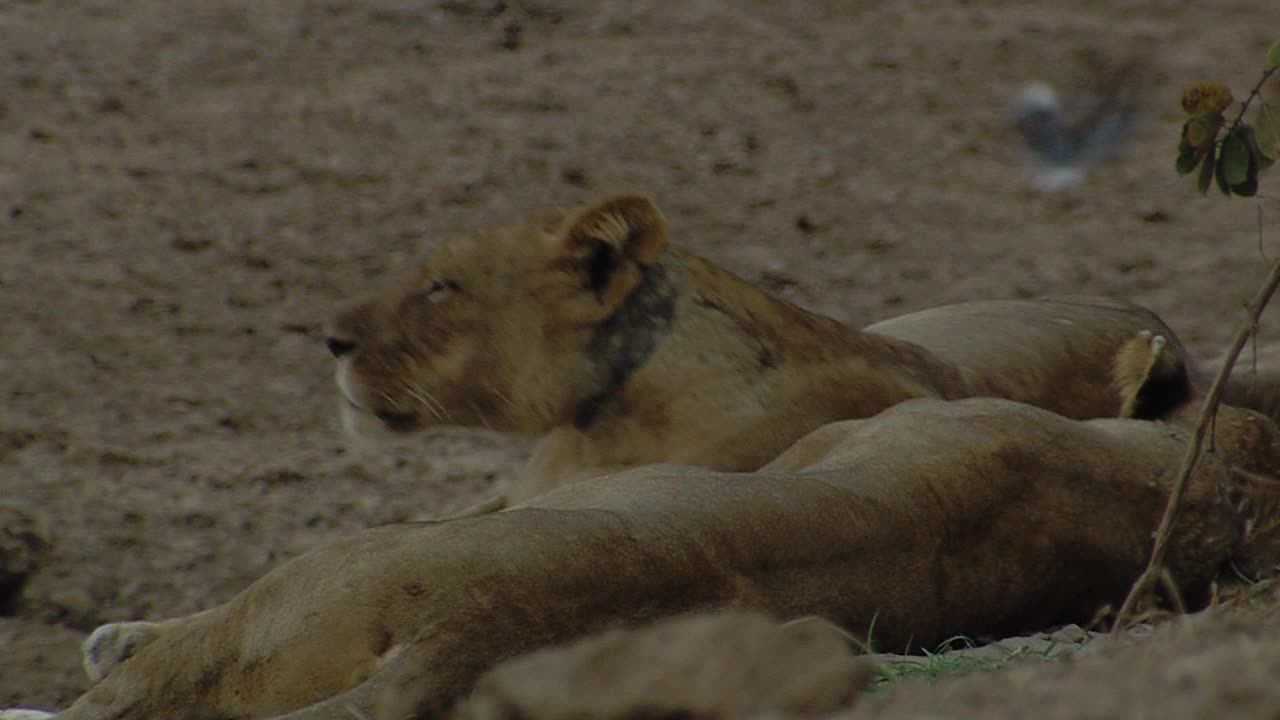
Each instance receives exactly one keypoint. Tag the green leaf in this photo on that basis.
(1221, 180)
(1188, 155)
(1266, 123)
(1202, 129)
(1249, 187)
(1273, 56)
(1188, 160)
(1207, 173)
(1251, 139)
(1235, 158)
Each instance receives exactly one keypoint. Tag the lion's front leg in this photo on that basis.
(110, 645)
(155, 669)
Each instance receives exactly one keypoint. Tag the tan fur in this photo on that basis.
(1055, 352)
(1136, 363)
(1255, 388)
(913, 522)
(586, 328)
(979, 516)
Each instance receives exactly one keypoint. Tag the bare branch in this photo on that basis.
(1208, 412)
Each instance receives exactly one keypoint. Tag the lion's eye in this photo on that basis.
(440, 288)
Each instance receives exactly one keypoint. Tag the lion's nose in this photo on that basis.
(339, 347)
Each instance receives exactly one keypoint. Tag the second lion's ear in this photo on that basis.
(1150, 378)
(611, 241)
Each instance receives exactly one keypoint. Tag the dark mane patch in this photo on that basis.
(626, 340)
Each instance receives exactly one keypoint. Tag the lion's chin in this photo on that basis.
(359, 423)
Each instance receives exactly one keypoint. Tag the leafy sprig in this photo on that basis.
(1234, 164)
(1230, 159)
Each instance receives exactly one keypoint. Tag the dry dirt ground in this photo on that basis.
(189, 187)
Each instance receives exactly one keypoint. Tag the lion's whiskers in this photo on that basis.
(480, 413)
(434, 406)
(501, 395)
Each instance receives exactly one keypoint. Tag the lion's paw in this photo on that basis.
(112, 644)
(25, 714)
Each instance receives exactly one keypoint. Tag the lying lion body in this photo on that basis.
(1053, 352)
(586, 328)
(930, 519)
(1257, 389)
(979, 516)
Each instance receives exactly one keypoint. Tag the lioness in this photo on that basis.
(1258, 390)
(587, 328)
(933, 518)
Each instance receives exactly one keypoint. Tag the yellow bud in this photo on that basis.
(1206, 96)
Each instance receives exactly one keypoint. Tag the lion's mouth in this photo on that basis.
(397, 421)
(362, 422)
(400, 422)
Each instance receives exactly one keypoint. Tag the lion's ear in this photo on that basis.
(611, 241)
(1150, 377)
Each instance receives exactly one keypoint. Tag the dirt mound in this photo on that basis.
(1215, 664)
(724, 665)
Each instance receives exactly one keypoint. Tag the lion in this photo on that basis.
(588, 329)
(1255, 381)
(979, 516)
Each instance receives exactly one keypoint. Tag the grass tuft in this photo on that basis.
(954, 657)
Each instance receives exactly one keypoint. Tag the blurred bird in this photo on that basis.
(1063, 146)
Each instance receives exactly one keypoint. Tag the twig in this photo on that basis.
(1257, 90)
(1262, 252)
(1175, 595)
(1208, 411)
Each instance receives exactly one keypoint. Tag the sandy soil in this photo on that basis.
(189, 187)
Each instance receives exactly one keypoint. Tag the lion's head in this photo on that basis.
(1154, 384)
(495, 329)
